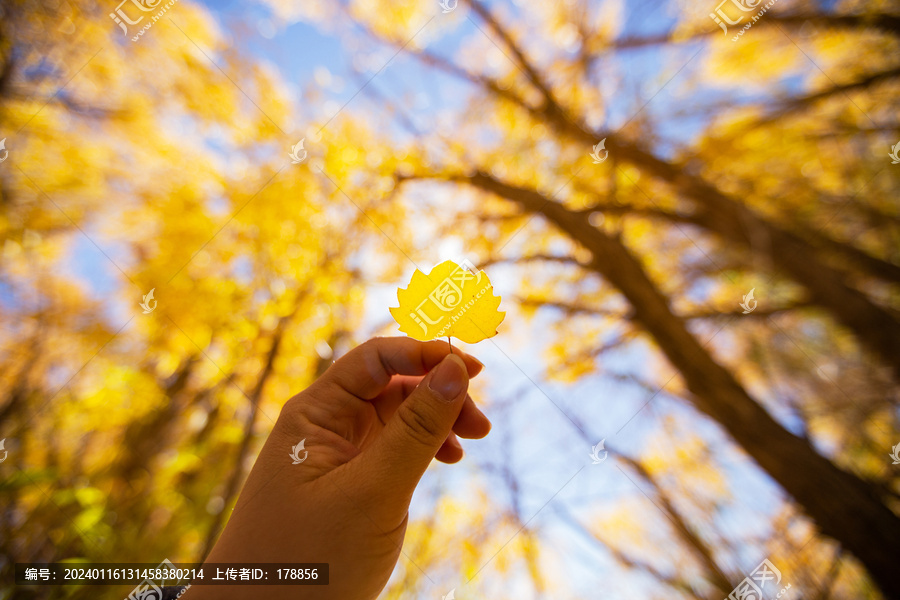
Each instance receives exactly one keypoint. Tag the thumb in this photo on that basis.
(419, 426)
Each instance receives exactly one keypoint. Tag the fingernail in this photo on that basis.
(477, 362)
(449, 378)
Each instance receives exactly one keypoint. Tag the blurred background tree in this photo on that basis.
(759, 164)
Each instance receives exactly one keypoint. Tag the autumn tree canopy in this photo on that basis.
(694, 233)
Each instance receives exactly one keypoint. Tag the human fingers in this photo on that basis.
(471, 423)
(451, 451)
(392, 465)
(367, 370)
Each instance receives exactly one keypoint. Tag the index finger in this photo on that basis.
(367, 369)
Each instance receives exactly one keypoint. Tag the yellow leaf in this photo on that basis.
(452, 300)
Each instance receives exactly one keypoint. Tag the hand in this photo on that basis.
(372, 423)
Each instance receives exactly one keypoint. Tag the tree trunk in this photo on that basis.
(876, 328)
(843, 506)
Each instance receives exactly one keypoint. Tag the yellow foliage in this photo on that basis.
(450, 301)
